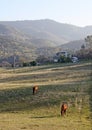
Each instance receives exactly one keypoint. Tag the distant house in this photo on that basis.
(59, 54)
(62, 53)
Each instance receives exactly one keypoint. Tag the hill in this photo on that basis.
(50, 30)
(30, 37)
(13, 41)
(73, 45)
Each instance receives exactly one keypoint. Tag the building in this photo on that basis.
(62, 53)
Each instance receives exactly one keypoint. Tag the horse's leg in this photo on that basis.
(65, 111)
(33, 91)
(62, 113)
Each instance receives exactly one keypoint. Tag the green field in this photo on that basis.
(21, 110)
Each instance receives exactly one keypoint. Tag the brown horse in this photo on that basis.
(35, 89)
(64, 107)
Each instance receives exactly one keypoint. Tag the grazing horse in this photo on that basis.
(35, 89)
(64, 107)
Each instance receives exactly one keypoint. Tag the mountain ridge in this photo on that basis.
(49, 29)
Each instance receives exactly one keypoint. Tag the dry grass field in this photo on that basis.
(21, 110)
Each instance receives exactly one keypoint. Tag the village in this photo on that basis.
(59, 57)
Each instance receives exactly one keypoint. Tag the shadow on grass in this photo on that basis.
(51, 116)
(23, 99)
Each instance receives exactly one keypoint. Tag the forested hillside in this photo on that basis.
(31, 38)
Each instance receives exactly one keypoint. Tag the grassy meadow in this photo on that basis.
(21, 110)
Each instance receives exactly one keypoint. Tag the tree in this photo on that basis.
(42, 59)
(83, 47)
(88, 40)
(33, 63)
(86, 52)
(64, 59)
(25, 64)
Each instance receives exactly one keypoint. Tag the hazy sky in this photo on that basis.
(76, 12)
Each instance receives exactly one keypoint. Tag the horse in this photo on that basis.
(35, 89)
(64, 107)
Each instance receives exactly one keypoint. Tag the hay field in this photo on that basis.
(20, 109)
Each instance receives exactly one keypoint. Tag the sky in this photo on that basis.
(76, 12)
